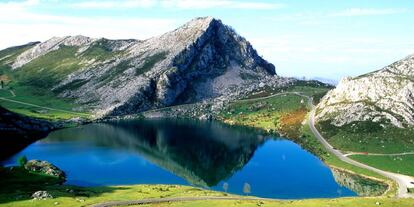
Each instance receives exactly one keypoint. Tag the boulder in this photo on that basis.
(45, 168)
(41, 195)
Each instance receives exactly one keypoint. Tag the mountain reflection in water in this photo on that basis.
(199, 153)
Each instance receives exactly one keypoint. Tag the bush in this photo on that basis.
(22, 161)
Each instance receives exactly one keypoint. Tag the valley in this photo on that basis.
(190, 116)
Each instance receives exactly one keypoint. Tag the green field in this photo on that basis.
(369, 137)
(402, 164)
(18, 185)
(61, 109)
(282, 113)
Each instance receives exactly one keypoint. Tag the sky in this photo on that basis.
(302, 38)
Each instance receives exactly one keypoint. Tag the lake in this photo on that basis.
(188, 152)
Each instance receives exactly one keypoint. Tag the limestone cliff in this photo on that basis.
(385, 96)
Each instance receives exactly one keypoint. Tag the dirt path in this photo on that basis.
(178, 199)
(377, 154)
(38, 106)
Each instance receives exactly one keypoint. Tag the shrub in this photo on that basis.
(22, 161)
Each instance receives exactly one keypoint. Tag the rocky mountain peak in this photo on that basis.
(385, 96)
(202, 60)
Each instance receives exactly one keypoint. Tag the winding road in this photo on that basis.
(404, 182)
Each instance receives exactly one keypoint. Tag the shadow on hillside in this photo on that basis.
(18, 184)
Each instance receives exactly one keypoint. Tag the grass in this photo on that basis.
(402, 164)
(369, 137)
(100, 50)
(43, 98)
(282, 113)
(310, 88)
(18, 185)
(342, 202)
(32, 84)
(46, 71)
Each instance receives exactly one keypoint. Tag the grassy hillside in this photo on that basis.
(27, 90)
(403, 164)
(369, 137)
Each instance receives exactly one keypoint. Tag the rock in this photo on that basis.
(383, 96)
(45, 168)
(261, 85)
(202, 60)
(41, 195)
(205, 117)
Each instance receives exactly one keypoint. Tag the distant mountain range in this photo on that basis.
(202, 60)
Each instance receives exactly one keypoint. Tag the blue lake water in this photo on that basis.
(188, 152)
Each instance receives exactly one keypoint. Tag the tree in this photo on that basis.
(2, 84)
(246, 188)
(225, 187)
(22, 161)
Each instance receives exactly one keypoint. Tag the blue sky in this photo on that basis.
(316, 38)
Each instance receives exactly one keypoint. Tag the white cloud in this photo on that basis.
(26, 26)
(177, 4)
(367, 12)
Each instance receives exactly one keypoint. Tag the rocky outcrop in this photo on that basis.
(44, 167)
(201, 61)
(385, 97)
(41, 195)
(53, 44)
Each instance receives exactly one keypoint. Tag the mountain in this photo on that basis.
(385, 97)
(201, 60)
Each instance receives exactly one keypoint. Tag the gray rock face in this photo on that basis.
(53, 44)
(202, 60)
(384, 96)
(45, 168)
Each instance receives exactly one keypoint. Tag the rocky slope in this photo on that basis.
(385, 97)
(201, 61)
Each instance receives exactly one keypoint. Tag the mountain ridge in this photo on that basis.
(384, 96)
(199, 61)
